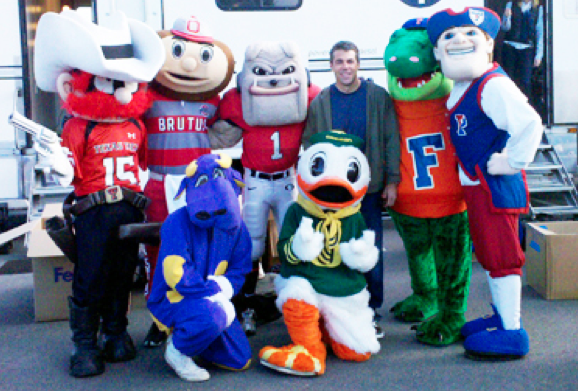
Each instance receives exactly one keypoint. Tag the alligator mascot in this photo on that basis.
(204, 257)
(325, 248)
(185, 94)
(495, 133)
(267, 110)
(429, 212)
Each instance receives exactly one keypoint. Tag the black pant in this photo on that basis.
(106, 265)
(518, 64)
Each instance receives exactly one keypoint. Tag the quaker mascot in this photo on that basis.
(325, 248)
(429, 212)
(495, 133)
(185, 95)
(101, 73)
(268, 110)
(204, 256)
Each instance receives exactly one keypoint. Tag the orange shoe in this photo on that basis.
(345, 353)
(292, 359)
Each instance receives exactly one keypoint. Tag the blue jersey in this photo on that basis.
(476, 138)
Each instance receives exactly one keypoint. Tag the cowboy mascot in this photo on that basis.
(101, 73)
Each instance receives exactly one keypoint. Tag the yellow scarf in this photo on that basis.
(330, 226)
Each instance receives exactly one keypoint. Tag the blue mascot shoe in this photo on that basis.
(497, 344)
(483, 323)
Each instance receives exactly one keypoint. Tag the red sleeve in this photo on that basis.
(215, 101)
(142, 151)
(73, 140)
(231, 108)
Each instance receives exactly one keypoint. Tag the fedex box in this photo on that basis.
(552, 259)
(52, 271)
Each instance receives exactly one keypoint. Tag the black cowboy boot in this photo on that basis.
(117, 345)
(87, 358)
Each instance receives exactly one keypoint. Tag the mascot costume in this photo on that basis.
(496, 134)
(185, 99)
(325, 248)
(268, 110)
(101, 73)
(204, 257)
(429, 212)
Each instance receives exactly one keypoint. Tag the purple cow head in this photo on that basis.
(213, 188)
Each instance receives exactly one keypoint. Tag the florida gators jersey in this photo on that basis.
(111, 155)
(265, 148)
(430, 186)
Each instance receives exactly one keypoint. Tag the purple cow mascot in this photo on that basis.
(204, 256)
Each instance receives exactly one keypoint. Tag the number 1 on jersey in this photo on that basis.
(276, 138)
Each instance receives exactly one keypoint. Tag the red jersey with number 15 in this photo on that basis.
(265, 148)
(110, 156)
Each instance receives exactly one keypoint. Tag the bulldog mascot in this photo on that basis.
(496, 134)
(325, 248)
(185, 95)
(268, 110)
(101, 73)
(204, 256)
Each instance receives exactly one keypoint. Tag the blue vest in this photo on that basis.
(476, 138)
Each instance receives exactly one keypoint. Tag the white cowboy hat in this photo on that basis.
(118, 48)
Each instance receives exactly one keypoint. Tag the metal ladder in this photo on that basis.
(552, 192)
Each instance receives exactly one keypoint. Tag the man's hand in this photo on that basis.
(225, 304)
(389, 195)
(499, 165)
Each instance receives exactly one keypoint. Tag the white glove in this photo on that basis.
(56, 160)
(225, 304)
(499, 165)
(307, 243)
(360, 254)
(224, 284)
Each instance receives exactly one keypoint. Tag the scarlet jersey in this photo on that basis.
(177, 132)
(265, 148)
(430, 186)
(110, 156)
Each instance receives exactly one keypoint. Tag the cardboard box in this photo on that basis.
(52, 272)
(551, 259)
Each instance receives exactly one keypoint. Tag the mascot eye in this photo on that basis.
(353, 168)
(288, 70)
(317, 165)
(218, 173)
(206, 54)
(202, 180)
(449, 35)
(472, 33)
(259, 71)
(103, 84)
(179, 48)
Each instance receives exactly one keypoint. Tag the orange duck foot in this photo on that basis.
(292, 359)
(345, 353)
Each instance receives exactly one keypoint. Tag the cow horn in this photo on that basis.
(224, 160)
(191, 169)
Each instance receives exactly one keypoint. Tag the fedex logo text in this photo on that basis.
(62, 275)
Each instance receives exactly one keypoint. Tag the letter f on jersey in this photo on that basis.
(462, 122)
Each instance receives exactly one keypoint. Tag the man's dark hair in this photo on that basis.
(345, 46)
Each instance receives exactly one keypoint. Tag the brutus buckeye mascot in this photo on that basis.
(267, 109)
(495, 133)
(101, 73)
(185, 99)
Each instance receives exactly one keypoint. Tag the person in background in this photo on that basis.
(360, 107)
(523, 47)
